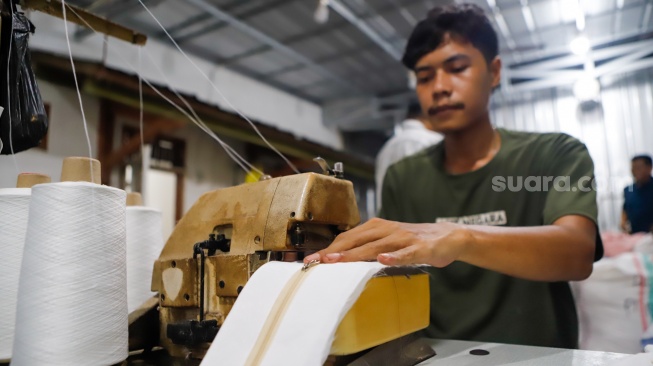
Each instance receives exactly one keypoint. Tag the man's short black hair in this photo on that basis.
(467, 21)
(414, 110)
(646, 158)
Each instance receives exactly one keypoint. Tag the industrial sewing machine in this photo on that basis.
(229, 233)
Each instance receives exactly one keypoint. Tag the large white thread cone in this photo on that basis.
(72, 296)
(144, 244)
(14, 206)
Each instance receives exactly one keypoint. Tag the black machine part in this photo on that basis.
(212, 245)
(191, 333)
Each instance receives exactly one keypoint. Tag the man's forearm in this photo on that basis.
(624, 221)
(563, 251)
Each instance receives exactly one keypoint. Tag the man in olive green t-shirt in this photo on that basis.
(504, 218)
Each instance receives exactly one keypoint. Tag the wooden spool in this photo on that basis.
(79, 169)
(28, 180)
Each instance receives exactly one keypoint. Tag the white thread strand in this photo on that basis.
(239, 160)
(144, 245)
(72, 294)
(205, 129)
(11, 144)
(198, 121)
(140, 116)
(79, 95)
(292, 166)
(14, 206)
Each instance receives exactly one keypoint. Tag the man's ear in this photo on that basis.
(495, 71)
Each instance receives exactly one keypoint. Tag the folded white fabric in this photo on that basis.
(285, 316)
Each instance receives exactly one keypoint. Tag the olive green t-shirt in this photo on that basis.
(471, 303)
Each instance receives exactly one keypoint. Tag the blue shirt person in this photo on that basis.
(638, 197)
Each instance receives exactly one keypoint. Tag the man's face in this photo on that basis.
(641, 171)
(454, 83)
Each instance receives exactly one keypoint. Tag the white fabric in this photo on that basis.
(410, 137)
(240, 330)
(305, 334)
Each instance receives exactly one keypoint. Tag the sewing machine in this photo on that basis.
(229, 233)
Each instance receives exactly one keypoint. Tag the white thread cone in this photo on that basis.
(72, 295)
(144, 244)
(14, 206)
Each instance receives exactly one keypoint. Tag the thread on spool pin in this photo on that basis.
(11, 143)
(72, 296)
(79, 94)
(144, 244)
(14, 206)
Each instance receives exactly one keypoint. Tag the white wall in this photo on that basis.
(65, 136)
(614, 133)
(207, 165)
(255, 99)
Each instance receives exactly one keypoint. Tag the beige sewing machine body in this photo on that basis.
(229, 233)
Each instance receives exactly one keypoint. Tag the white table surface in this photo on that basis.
(456, 353)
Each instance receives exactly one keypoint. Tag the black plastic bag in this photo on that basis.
(24, 121)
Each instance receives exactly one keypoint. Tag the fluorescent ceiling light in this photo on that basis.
(568, 9)
(573, 10)
(587, 89)
(580, 16)
(580, 20)
(580, 45)
(503, 27)
(528, 18)
(647, 15)
(321, 14)
(412, 80)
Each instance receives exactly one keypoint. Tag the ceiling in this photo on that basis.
(350, 64)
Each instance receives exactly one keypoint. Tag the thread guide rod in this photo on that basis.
(53, 7)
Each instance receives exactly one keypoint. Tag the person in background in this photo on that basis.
(499, 256)
(413, 135)
(637, 214)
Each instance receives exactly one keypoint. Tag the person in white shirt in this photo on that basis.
(411, 136)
